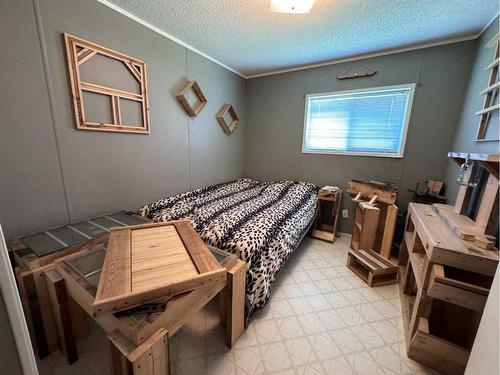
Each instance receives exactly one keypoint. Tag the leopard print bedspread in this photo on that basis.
(261, 222)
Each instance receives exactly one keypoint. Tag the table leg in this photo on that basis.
(59, 299)
(149, 358)
(233, 303)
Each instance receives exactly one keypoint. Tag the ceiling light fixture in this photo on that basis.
(291, 6)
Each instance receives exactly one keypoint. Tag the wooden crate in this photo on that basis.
(371, 267)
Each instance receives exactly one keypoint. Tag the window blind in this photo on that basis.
(369, 122)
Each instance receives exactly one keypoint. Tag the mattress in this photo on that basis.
(261, 222)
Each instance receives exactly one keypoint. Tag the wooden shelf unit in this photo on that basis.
(328, 204)
(444, 285)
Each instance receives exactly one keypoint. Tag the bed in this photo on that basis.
(261, 222)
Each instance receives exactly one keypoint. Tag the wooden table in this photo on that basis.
(139, 342)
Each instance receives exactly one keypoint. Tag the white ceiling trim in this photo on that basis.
(368, 55)
(167, 35)
(301, 67)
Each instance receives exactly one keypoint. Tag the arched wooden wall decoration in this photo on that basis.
(182, 98)
(128, 109)
(227, 108)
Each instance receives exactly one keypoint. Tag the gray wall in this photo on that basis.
(53, 173)
(275, 118)
(465, 134)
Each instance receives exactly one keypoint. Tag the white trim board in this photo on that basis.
(301, 67)
(15, 312)
(368, 56)
(167, 35)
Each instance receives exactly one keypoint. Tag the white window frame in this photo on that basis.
(400, 155)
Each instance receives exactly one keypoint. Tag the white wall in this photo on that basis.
(484, 358)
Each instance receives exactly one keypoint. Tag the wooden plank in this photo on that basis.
(464, 227)
(488, 201)
(366, 218)
(386, 195)
(85, 55)
(470, 296)
(203, 259)
(178, 310)
(120, 347)
(93, 87)
(116, 271)
(490, 88)
(158, 255)
(235, 318)
(363, 258)
(438, 353)
(417, 261)
(492, 108)
(493, 64)
(35, 315)
(389, 229)
(322, 235)
(442, 246)
(384, 263)
(151, 357)
(118, 303)
(78, 290)
(117, 118)
(59, 301)
(460, 157)
(134, 71)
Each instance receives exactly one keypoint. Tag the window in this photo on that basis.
(370, 122)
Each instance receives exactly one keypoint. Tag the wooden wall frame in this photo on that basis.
(490, 94)
(78, 52)
(227, 108)
(182, 98)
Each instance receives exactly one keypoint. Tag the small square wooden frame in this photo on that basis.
(228, 128)
(182, 98)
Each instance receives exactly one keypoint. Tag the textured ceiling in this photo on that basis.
(245, 36)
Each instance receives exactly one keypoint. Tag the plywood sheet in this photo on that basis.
(150, 261)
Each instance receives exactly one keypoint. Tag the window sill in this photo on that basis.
(344, 153)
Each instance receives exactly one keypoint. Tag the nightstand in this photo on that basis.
(327, 213)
